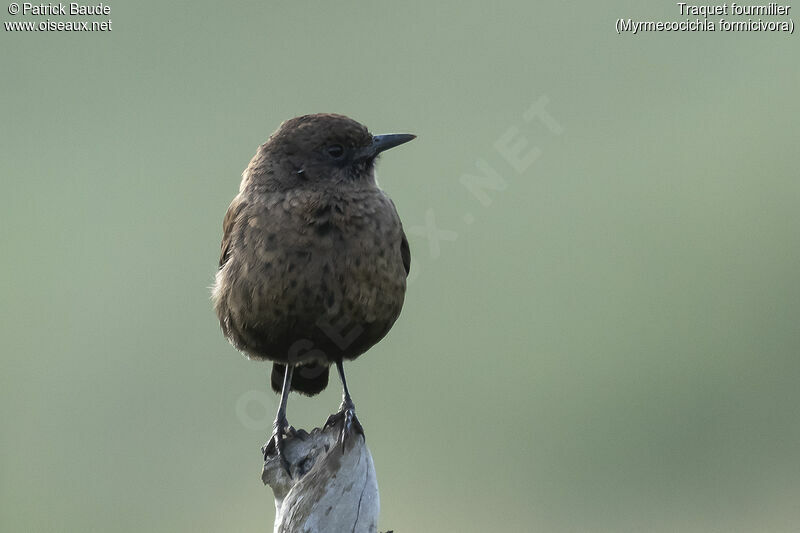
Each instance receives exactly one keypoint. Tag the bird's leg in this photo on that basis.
(275, 444)
(347, 411)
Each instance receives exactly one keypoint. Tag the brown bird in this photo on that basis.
(314, 259)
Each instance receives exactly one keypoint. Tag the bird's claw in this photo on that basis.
(275, 445)
(347, 417)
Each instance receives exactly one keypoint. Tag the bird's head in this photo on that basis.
(313, 150)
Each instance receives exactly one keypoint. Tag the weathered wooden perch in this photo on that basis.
(332, 487)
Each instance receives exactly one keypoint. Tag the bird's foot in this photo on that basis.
(347, 417)
(274, 446)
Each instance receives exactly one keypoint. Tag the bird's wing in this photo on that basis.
(227, 229)
(405, 252)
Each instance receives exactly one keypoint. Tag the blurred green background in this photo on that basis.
(611, 344)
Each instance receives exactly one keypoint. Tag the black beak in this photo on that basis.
(384, 142)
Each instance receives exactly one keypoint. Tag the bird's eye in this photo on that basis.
(336, 151)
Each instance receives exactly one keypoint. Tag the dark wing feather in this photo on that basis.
(227, 230)
(405, 252)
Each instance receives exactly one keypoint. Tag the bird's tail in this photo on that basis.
(306, 379)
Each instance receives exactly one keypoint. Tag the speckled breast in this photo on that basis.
(327, 285)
